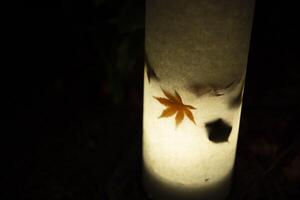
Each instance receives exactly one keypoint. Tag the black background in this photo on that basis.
(73, 89)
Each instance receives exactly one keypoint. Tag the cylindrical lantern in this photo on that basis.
(196, 57)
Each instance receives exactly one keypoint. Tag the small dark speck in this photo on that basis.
(206, 179)
(218, 130)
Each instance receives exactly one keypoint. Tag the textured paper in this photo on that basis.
(195, 49)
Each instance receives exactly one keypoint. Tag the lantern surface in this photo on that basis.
(196, 58)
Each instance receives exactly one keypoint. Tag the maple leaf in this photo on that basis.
(174, 106)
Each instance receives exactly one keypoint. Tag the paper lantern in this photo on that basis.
(196, 57)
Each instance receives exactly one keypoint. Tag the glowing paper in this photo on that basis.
(196, 57)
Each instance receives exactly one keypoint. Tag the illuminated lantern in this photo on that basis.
(196, 57)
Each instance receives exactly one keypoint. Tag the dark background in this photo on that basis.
(74, 87)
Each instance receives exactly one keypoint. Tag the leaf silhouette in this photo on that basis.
(174, 106)
(150, 71)
(237, 100)
(214, 90)
(218, 130)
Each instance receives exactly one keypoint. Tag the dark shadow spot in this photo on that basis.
(237, 100)
(150, 71)
(207, 179)
(218, 130)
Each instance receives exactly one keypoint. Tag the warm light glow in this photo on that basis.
(184, 155)
(196, 56)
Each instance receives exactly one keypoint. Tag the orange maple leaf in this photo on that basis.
(175, 105)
